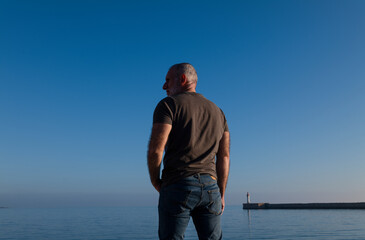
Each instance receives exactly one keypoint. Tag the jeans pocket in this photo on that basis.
(174, 202)
(215, 202)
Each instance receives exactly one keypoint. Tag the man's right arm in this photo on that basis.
(159, 136)
(222, 165)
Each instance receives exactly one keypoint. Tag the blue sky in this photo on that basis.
(80, 80)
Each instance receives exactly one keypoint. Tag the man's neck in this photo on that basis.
(190, 90)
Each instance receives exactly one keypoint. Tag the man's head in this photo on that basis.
(180, 78)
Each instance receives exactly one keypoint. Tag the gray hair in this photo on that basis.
(187, 69)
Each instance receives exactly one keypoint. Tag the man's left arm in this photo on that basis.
(222, 165)
(156, 147)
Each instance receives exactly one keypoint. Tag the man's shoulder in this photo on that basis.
(193, 98)
(188, 96)
(167, 100)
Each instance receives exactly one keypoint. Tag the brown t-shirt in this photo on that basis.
(197, 127)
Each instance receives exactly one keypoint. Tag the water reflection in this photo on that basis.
(248, 217)
(249, 223)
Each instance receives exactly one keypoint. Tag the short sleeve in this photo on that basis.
(226, 126)
(164, 111)
(225, 122)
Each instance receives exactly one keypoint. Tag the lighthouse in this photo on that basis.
(248, 198)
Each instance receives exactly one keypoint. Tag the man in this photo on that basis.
(193, 132)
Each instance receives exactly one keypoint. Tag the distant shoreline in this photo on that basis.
(353, 205)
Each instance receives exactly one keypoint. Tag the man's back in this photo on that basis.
(197, 127)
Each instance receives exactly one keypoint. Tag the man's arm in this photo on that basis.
(222, 165)
(159, 136)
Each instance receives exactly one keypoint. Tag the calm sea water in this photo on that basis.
(141, 223)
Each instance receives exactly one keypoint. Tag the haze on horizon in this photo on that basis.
(79, 81)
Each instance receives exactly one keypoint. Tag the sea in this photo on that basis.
(117, 223)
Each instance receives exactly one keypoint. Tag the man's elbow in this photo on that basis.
(223, 155)
(153, 154)
(223, 160)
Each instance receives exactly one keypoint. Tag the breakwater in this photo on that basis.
(354, 205)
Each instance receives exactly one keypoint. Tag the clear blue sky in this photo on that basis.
(79, 81)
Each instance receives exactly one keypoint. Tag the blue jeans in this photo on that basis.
(197, 196)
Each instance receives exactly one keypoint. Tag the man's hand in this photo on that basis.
(223, 205)
(159, 136)
(157, 185)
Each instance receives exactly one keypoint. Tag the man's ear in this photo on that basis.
(183, 80)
